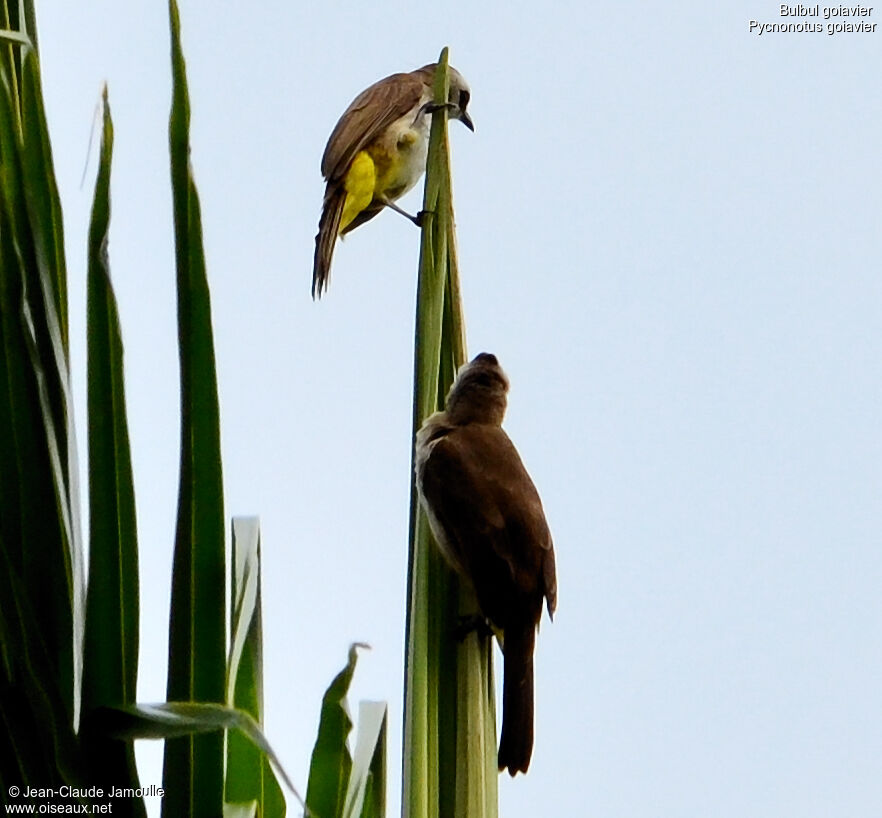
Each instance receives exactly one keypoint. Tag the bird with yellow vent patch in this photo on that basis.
(376, 153)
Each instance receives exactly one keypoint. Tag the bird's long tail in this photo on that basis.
(516, 742)
(326, 238)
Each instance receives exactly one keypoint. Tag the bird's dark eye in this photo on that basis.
(464, 97)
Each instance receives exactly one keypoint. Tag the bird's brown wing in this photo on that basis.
(486, 503)
(373, 110)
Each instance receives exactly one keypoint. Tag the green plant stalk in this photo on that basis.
(449, 746)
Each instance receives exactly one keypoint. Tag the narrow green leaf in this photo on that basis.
(375, 792)
(331, 763)
(366, 793)
(245, 633)
(45, 316)
(249, 775)
(165, 720)
(168, 720)
(12, 23)
(30, 20)
(44, 203)
(16, 38)
(193, 767)
(240, 810)
(111, 638)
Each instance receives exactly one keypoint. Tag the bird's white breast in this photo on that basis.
(408, 139)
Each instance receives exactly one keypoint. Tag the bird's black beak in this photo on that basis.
(467, 121)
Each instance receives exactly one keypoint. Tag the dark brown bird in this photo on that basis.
(487, 518)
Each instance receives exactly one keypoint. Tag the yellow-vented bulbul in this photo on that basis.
(376, 153)
(487, 518)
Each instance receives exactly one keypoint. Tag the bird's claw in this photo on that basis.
(469, 624)
(431, 107)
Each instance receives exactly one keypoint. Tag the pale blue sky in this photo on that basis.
(669, 233)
